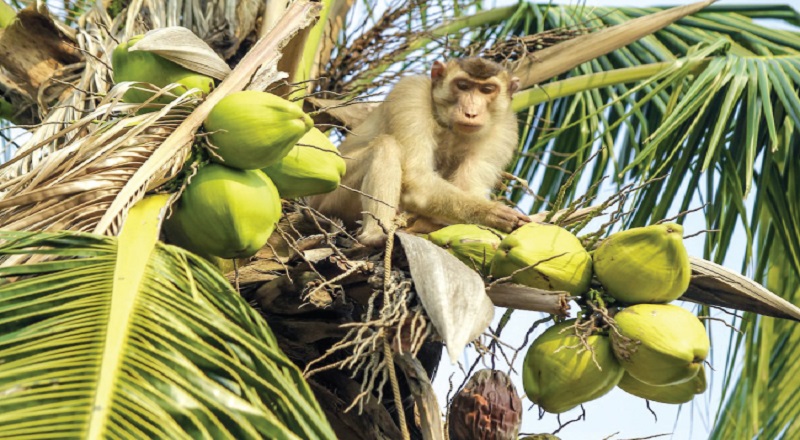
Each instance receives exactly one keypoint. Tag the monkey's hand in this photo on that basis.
(505, 218)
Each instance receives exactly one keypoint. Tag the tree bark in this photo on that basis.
(34, 51)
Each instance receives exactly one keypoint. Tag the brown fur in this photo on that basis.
(480, 68)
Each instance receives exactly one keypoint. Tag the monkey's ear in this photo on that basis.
(437, 70)
(513, 85)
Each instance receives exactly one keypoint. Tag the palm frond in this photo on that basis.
(68, 181)
(721, 114)
(137, 338)
(763, 402)
(716, 126)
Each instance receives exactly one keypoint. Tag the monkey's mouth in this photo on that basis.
(467, 128)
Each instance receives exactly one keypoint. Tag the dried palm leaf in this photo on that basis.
(71, 187)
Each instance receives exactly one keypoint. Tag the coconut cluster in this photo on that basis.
(649, 348)
(262, 147)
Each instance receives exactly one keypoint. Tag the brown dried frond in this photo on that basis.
(362, 53)
(517, 48)
(365, 59)
(68, 180)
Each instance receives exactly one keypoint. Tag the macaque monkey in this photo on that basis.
(435, 149)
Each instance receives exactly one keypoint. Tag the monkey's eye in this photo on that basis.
(488, 89)
(462, 85)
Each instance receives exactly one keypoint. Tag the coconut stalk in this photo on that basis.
(567, 87)
(337, 19)
(301, 55)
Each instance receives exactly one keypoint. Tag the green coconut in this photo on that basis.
(660, 344)
(312, 166)
(252, 130)
(475, 245)
(147, 67)
(558, 374)
(225, 212)
(544, 256)
(644, 265)
(674, 394)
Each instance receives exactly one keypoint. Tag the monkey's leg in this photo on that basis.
(383, 179)
(343, 203)
(423, 225)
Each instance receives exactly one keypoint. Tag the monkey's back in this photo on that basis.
(415, 91)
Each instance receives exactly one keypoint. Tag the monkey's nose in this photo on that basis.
(470, 115)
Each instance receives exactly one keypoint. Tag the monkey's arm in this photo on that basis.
(427, 193)
(477, 175)
(395, 168)
(432, 196)
(480, 173)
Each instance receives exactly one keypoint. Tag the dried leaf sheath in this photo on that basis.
(71, 188)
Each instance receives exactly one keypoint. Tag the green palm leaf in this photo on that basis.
(764, 402)
(646, 114)
(709, 105)
(128, 337)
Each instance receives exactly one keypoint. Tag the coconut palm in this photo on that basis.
(644, 121)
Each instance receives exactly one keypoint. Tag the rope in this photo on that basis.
(398, 403)
(387, 349)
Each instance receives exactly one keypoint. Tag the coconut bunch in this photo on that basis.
(258, 148)
(644, 345)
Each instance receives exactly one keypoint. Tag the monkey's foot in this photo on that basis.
(372, 237)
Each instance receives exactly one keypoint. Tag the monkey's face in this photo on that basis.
(472, 102)
(469, 93)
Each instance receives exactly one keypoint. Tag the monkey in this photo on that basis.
(434, 148)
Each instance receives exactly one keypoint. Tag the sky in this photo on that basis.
(617, 415)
